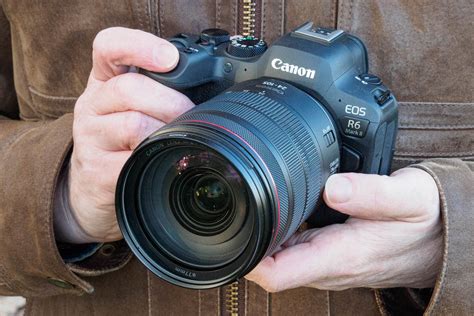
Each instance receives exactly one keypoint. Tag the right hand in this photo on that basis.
(115, 113)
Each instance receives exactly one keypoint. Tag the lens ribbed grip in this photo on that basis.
(284, 142)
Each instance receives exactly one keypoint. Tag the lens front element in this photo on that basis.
(203, 201)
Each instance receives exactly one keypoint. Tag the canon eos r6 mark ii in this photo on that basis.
(205, 198)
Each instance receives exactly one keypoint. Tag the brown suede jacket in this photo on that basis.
(423, 49)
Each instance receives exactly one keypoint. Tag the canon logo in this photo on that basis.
(294, 69)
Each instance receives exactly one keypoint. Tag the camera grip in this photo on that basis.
(194, 68)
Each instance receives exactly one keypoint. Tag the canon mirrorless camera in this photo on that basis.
(204, 199)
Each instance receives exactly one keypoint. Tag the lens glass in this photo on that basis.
(202, 201)
(194, 206)
(211, 194)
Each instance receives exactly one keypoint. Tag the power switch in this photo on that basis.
(329, 138)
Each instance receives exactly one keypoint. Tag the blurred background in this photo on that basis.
(11, 306)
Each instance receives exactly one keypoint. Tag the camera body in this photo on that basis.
(330, 65)
(205, 198)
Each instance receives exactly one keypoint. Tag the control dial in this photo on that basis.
(247, 46)
(214, 36)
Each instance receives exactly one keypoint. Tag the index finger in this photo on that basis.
(116, 48)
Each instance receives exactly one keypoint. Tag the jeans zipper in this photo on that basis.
(249, 17)
(249, 24)
(232, 299)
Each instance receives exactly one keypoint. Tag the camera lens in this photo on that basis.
(203, 200)
(211, 195)
(193, 205)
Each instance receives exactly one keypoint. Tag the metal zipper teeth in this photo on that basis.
(232, 299)
(249, 17)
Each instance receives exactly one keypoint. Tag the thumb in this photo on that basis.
(401, 196)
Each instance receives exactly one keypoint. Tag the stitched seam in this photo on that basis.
(383, 311)
(234, 14)
(438, 154)
(218, 13)
(97, 272)
(22, 69)
(148, 280)
(136, 13)
(268, 299)
(328, 304)
(156, 17)
(218, 301)
(281, 17)
(30, 307)
(436, 127)
(264, 19)
(350, 15)
(246, 297)
(199, 302)
(406, 158)
(140, 21)
(161, 17)
(441, 104)
(335, 12)
(107, 268)
(51, 97)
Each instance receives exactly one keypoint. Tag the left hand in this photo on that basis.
(392, 239)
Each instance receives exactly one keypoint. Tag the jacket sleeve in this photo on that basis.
(454, 289)
(31, 157)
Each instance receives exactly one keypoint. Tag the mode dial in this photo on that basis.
(247, 46)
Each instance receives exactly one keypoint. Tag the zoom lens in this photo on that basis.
(207, 197)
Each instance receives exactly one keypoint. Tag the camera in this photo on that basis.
(205, 198)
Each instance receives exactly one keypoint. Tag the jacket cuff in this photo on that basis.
(30, 263)
(453, 290)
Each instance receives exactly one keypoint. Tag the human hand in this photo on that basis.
(392, 239)
(115, 113)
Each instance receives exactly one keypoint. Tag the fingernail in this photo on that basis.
(338, 189)
(165, 55)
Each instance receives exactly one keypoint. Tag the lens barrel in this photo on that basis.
(205, 198)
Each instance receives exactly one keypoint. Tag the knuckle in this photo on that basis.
(102, 39)
(125, 87)
(120, 86)
(270, 285)
(133, 125)
(271, 288)
(381, 193)
(81, 104)
(176, 104)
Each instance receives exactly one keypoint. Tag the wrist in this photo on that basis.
(97, 222)
(67, 228)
